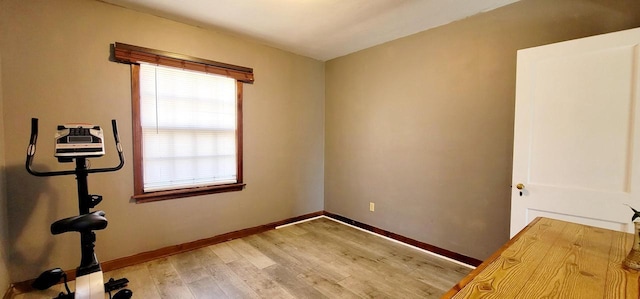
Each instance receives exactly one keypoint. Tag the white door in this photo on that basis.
(577, 132)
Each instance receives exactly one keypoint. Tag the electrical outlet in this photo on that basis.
(372, 206)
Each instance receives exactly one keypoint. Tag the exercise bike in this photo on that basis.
(78, 142)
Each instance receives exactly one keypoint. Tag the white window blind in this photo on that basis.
(189, 128)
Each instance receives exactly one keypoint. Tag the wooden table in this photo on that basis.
(555, 259)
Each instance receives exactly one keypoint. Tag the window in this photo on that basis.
(188, 122)
(187, 119)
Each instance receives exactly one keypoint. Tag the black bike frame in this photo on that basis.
(88, 262)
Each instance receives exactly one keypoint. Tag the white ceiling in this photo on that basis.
(321, 29)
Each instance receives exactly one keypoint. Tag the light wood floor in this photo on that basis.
(315, 259)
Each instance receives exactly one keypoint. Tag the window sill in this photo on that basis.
(172, 194)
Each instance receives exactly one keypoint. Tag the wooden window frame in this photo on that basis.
(135, 55)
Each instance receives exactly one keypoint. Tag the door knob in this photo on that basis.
(520, 187)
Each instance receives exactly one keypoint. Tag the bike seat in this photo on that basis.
(87, 222)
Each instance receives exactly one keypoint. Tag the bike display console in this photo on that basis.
(79, 140)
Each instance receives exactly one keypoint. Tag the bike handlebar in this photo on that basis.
(31, 151)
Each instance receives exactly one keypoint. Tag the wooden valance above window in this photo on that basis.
(133, 54)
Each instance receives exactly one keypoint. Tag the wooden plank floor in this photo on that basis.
(320, 258)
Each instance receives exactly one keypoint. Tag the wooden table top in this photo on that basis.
(555, 259)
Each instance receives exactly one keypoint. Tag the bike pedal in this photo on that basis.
(114, 284)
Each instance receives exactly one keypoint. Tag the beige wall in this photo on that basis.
(56, 67)
(4, 273)
(423, 125)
